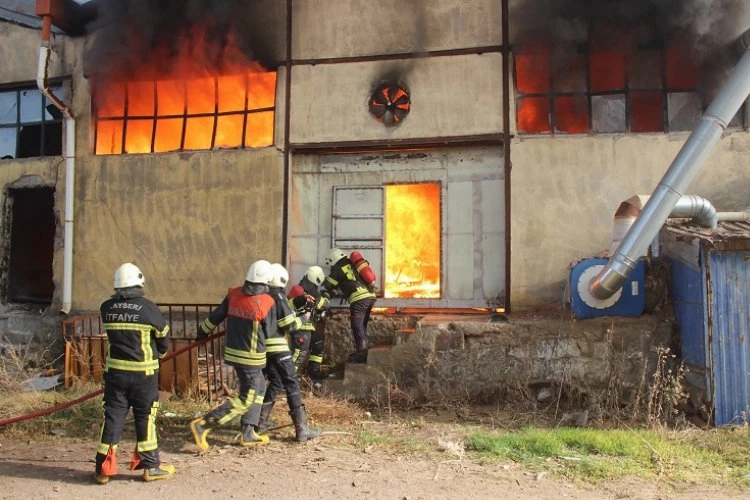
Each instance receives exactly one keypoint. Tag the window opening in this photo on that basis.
(30, 125)
(603, 90)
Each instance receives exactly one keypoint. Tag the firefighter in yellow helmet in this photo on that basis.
(250, 313)
(343, 278)
(137, 337)
(280, 369)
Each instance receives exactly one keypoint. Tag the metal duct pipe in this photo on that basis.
(676, 180)
(735, 216)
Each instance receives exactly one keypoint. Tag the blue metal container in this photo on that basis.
(710, 290)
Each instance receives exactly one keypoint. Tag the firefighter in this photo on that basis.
(137, 337)
(280, 369)
(343, 278)
(309, 303)
(250, 314)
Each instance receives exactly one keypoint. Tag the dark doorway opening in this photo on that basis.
(32, 237)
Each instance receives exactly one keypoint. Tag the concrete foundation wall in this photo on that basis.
(486, 361)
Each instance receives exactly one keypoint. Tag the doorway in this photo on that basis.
(31, 245)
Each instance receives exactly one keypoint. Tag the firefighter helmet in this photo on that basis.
(334, 255)
(128, 275)
(280, 276)
(260, 272)
(315, 275)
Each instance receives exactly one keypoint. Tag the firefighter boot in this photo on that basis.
(303, 432)
(315, 372)
(265, 412)
(360, 356)
(250, 436)
(160, 472)
(200, 428)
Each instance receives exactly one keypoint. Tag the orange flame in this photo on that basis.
(185, 101)
(412, 237)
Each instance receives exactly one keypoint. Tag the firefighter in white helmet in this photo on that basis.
(137, 337)
(343, 278)
(280, 370)
(250, 314)
(310, 305)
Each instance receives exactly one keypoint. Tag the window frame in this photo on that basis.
(627, 91)
(185, 117)
(58, 87)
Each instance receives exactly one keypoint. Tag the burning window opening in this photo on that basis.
(226, 111)
(390, 104)
(412, 241)
(597, 90)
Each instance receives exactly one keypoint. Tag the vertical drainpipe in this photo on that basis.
(676, 180)
(68, 154)
(506, 143)
(287, 121)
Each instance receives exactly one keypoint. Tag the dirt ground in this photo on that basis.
(334, 466)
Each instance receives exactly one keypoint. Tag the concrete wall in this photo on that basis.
(193, 221)
(565, 192)
(346, 28)
(472, 220)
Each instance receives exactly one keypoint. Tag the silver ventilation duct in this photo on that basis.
(677, 179)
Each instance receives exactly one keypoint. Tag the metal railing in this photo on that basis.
(197, 371)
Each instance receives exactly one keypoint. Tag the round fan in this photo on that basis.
(390, 104)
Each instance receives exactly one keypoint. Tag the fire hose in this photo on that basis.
(68, 404)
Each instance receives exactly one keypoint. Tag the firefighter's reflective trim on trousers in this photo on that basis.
(149, 364)
(296, 358)
(239, 406)
(277, 344)
(150, 443)
(244, 357)
(314, 358)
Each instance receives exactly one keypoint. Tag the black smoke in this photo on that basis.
(126, 33)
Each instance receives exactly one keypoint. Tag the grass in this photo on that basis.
(597, 454)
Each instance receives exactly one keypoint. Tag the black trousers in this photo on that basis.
(282, 375)
(248, 401)
(124, 390)
(359, 313)
(300, 347)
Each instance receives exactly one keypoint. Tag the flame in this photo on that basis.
(572, 114)
(533, 115)
(175, 101)
(412, 238)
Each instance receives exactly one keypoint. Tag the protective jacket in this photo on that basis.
(302, 307)
(344, 277)
(251, 319)
(286, 322)
(136, 333)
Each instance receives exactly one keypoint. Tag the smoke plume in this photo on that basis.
(126, 33)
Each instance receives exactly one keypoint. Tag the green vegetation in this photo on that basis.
(595, 454)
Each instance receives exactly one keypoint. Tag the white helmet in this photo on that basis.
(128, 275)
(260, 272)
(315, 275)
(280, 276)
(334, 255)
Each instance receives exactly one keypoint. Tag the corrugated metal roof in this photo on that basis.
(729, 235)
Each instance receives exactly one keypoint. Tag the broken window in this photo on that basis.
(226, 111)
(29, 124)
(588, 89)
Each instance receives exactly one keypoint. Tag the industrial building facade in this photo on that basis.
(468, 158)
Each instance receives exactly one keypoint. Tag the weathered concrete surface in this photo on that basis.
(485, 361)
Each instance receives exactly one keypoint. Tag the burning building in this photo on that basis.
(209, 134)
